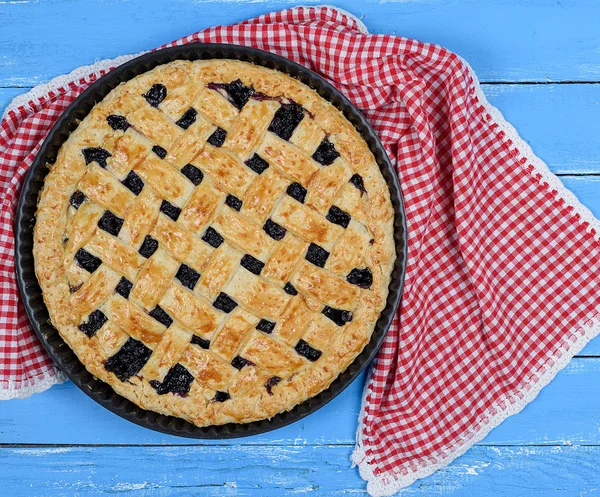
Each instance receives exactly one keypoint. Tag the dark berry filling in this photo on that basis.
(110, 223)
(257, 164)
(74, 288)
(218, 137)
(212, 237)
(239, 362)
(358, 182)
(297, 191)
(338, 216)
(360, 277)
(96, 154)
(201, 342)
(221, 396)
(177, 381)
(129, 360)
(290, 289)
(274, 230)
(161, 316)
(87, 261)
(224, 303)
(237, 93)
(134, 183)
(304, 349)
(168, 209)
(156, 94)
(325, 153)
(233, 202)
(161, 152)
(338, 316)
(265, 326)
(271, 382)
(149, 246)
(188, 118)
(192, 173)
(252, 264)
(124, 287)
(77, 199)
(317, 255)
(286, 119)
(118, 123)
(95, 321)
(187, 276)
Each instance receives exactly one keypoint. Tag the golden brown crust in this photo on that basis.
(161, 273)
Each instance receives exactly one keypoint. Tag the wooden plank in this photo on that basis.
(566, 411)
(558, 121)
(7, 94)
(267, 471)
(502, 40)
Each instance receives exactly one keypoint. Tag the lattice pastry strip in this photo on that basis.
(93, 293)
(207, 368)
(325, 185)
(292, 161)
(308, 135)
(115, 254)
(82, 226)
(216, 108)
(221, 266)
(191, 141)
(236, 329)
(271, 355)
(167, 353)
(255, 294)
(225, 168)
(138, 324)
(141, 217)
(179, 100)
(348, 253)
(284, 259)
(167, 182)
(325, 287)
(244, 234)
(196, 314)
(263, 193)
(180, 243)
(250, 126)
(104, 189)
(306, 223)
(153, 279)
(131, 148)
(156, 126)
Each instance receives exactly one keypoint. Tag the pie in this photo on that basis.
(215, 241)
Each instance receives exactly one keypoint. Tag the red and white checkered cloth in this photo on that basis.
(504, 264)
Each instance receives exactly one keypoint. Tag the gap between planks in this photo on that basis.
(491, 82)
(290, 445)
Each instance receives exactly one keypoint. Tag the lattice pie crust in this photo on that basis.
(215, 241)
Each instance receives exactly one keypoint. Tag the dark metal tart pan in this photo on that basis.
(66, 359)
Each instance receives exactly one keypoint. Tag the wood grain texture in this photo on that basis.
(566, 411)
(316, 470)
(504, 40)
(550, 449)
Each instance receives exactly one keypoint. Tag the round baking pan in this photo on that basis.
(25, 221)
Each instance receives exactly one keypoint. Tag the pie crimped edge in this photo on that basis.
(253, 393)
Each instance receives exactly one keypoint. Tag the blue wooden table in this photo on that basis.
(540, 64)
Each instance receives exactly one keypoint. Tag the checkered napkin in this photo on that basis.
(503, 268)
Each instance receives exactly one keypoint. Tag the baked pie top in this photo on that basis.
(215, 241)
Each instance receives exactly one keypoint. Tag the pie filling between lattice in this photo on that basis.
(215, 241)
